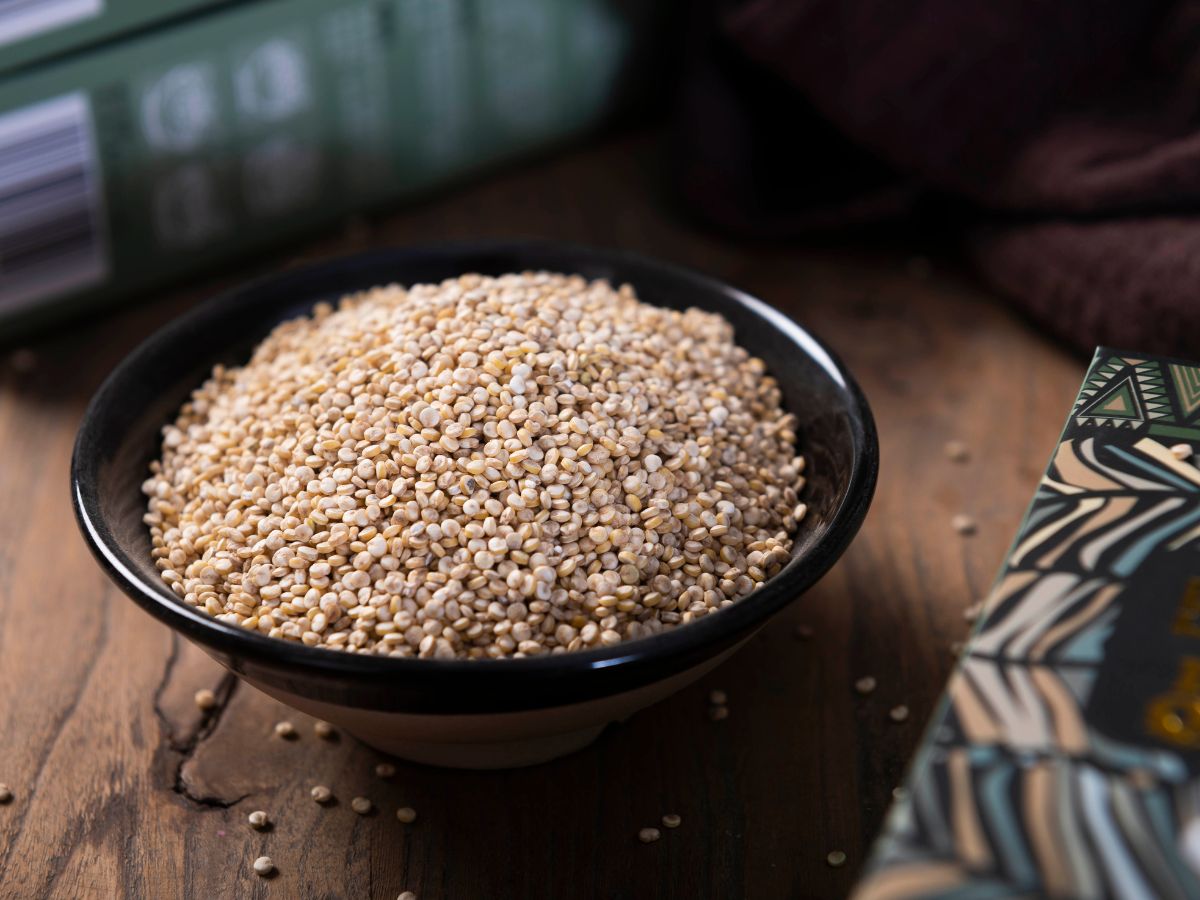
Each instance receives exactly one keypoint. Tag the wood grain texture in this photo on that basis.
(124, 789)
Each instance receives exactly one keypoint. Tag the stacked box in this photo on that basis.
(166, 153)
(33, 31)
(1064, 758)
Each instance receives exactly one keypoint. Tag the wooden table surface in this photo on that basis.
(123, 788)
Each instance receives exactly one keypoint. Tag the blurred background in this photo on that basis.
(1051, 146)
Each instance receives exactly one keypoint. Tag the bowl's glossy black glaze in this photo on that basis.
(121, 430)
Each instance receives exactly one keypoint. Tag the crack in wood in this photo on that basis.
(184, 746)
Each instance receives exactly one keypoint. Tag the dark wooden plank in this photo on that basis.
(124, 789)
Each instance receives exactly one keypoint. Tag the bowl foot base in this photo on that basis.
(503, 740)
(485, 755)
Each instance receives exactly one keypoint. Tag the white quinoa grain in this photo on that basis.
(321, 794)
(258, 819)
(285, 730)
(865, 685)
(406, 814)
(963, 524)
(323, 730)
(264, 866)
(718, 698)
(385, 770)
(899, 713)
(6, 793)
(956, 451)
(671, 820)
(717, 713)
(836, 858)
(205, 699)
(482, 468)
(649, 835)
(361, 805)
(407, 895)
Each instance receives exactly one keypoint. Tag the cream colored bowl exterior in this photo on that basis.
(494, 740)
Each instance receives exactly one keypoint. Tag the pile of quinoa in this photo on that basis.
(486, 467)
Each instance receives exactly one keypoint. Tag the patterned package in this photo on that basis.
(1064, 760)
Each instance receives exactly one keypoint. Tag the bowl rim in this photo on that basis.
(643, 654)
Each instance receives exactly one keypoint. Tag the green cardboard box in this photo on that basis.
(178, 149)
(33, 31)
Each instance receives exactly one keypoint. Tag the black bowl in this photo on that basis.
(121, 432)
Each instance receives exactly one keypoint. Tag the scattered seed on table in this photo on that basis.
(285, 730)
(6, 794)
(361, 805)
(649, 835)
(718, 698)
(865, 685)
(963, 524)
(956, 451)
(1181, 451)
(406, 814)
(321, 794)
(264, 866)
(407, 895)
(323, 729)
(258, 819)
(385, 770)
(206, 699)
(899, 713)
(836, 858)
(717, 713)
(671, 820)
(803, 632)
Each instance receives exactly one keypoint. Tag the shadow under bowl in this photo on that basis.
(467, 713)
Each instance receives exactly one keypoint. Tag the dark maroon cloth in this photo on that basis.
(1064, 133)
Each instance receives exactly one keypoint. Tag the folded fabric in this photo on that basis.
(1064, 133)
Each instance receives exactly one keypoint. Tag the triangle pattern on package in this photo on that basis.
(1187, 388)
(1120, 404)
(1153, 388)
(1098, 379)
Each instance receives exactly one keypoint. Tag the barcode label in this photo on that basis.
(50, 202)
(20, 19)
